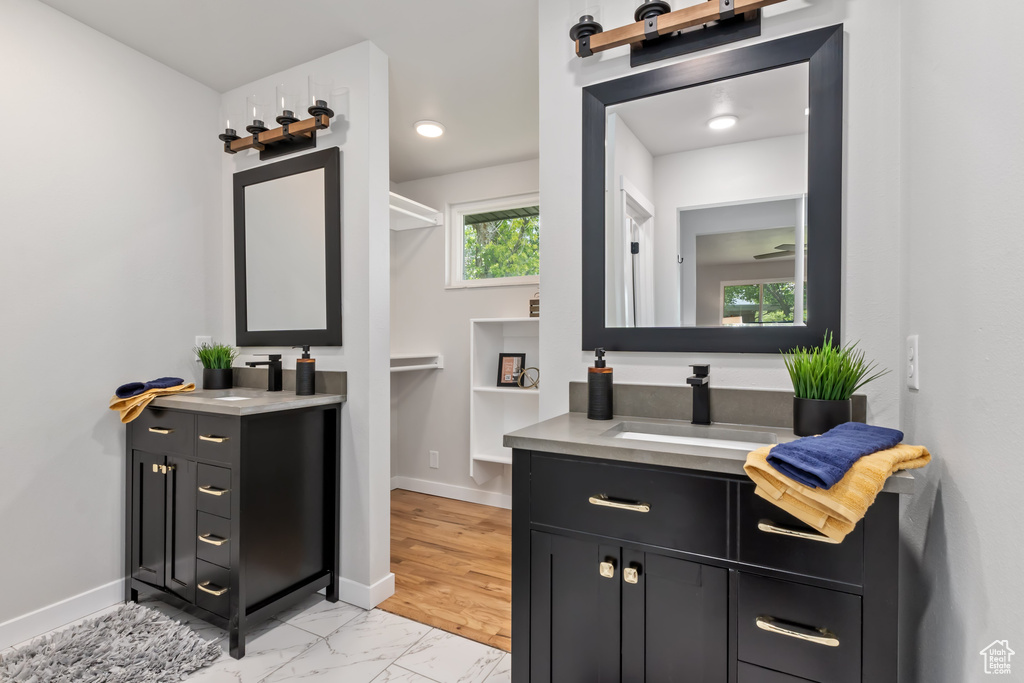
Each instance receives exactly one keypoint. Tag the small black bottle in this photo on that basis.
(599, 389)
(305, 373)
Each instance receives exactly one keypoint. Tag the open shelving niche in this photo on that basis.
(494, 410)
(411, 362)
(407, 214)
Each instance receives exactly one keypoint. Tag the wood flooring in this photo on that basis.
(452, 562)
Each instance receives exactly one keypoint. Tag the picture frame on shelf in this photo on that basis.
(510, 365)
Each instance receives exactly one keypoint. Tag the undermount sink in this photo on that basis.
(693, 435)
(232, 398)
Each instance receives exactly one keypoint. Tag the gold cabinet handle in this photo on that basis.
(213, 540)
(161, 430)
(769, 528)
(216, 590)
(213, 438)
(819, 636)
(604, 501)
(607, 570)
(212, 490)
(630, 575)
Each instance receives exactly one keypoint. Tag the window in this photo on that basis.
(760, 302)
(494, 242)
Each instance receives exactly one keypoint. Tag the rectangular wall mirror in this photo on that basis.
(288, 252)
(712, 201)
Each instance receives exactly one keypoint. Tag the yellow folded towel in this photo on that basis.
(835, 511)
(131, 407)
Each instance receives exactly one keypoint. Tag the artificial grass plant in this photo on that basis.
(216, 356)
(829, 372)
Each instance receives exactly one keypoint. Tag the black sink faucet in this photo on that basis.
(701, 383)
(274, 369)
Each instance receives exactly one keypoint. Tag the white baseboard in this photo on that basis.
(44, 619)
(367, 597)
(464, 493)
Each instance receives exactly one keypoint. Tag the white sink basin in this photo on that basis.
(693, 435)
(232, 398)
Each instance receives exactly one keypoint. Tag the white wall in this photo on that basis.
(363, 140)
(742, 172)
(110, 212)
(871, 312)
(432, 408)
(962, 245)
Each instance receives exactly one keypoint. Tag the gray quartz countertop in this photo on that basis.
(574, 434)
(242, 401)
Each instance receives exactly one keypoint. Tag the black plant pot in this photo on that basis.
(217, 378)
(812, 416)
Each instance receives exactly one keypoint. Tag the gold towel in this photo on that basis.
(835, 511)
(131, 407)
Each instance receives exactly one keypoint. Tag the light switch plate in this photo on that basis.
(913, 363)
(435, 461)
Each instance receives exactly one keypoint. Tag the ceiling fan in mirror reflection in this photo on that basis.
(660, 33)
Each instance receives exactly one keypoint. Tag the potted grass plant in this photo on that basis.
(824, 380)
(216, 360)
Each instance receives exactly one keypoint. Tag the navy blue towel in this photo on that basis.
(821, 461)
(136, 388)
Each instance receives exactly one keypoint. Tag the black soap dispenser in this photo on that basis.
(599, 389)
(305, 373)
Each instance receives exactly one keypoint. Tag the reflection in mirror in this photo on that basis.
(285, 272)
(706, 203)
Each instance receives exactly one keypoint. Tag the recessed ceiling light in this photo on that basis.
(429, 129)
(722, 122)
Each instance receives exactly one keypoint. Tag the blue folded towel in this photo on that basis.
(821, 461)
(136, 388)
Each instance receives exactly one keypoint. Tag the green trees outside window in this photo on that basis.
(506, 246)
(769, 302)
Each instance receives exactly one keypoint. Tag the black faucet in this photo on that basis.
(701, 384)
(274, 369)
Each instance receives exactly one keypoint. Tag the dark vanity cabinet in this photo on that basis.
(232, 518)
(625, 573)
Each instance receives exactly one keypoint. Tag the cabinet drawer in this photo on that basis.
(755, 674)
(163, 431)
(213, 588)
(213, 539)
(217, 438)
(789, 609)
(214, 495)
(764, 541)
(677, 511)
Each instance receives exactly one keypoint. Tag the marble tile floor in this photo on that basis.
(317, 641)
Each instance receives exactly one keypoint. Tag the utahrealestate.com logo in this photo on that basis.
(997, 657)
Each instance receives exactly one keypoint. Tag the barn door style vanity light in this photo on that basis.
(660, 33)
(293, 134)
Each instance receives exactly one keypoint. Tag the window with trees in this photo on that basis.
(494, 242)
(759, 303)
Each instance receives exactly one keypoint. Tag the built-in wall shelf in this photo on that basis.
(414, 363)
(407, 214)
(494, 410)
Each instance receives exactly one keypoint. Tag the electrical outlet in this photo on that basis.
(913, 363)
(200, 340)
(435, 460)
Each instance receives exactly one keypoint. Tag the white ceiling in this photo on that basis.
(768, 104)
(470, 64)
(732, 248)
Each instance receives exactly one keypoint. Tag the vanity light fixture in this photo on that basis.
(722, 122)
(293, 135)
(430, 129)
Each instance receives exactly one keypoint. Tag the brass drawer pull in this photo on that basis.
(213, 540)
(769, 528)
(818, 636)
(212, 490)
(604, 501)
(607, 570)
(216, 590)
(161, 430)
(211, 437)
(630, 575)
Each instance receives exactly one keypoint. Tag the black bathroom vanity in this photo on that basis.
(232, 504)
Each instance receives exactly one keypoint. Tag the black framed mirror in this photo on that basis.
(288, 252)
(712, 201)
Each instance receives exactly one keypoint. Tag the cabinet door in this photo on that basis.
(674, 620)
(149, 508)
(574, 611)
(180, 550)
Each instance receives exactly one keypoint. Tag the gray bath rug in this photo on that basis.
(134, 644)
